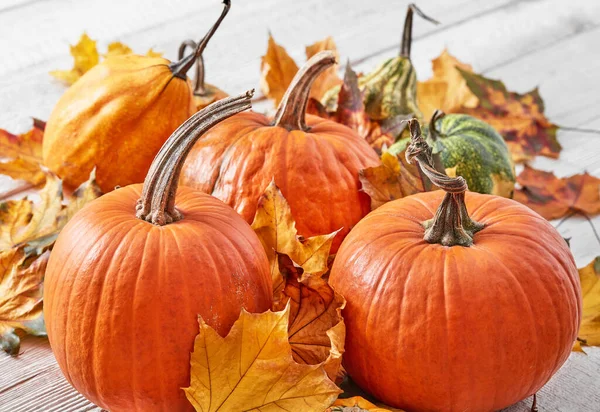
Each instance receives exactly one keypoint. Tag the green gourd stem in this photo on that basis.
(291, 112)
(199, 88)
(157, 204)
(434, 133)
(181, 67)
(408, 24)
(451, 224)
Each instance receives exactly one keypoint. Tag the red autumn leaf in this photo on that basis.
(554, 197)
(519, 118)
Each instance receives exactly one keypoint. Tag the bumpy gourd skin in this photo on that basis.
(454, 329)
(388, 91)
(115, 118)
(471, 148)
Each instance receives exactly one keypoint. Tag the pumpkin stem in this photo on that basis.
(434, 133)
(199, 89)
(157, 204)
(181, 67)
(408, 24)
(534, 407)
(291, 112)
(451, 224)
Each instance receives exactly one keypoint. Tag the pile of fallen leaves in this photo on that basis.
(301, 340)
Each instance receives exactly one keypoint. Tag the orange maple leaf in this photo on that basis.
(554, 197)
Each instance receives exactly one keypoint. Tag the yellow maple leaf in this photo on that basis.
(21, 277)
(118, 49)
(23, 221)
(316, 328)
(589, 276)
(393, 179)
(22, 169)
(276, 229)
(277, 69)
(27, 146)
(152, 53)
(85, 56)
(329, 78)
(252, 369)
(447, 89)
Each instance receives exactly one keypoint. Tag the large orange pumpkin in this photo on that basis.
(451, 313)
(117, 116)
(315, 162)
(122, 293)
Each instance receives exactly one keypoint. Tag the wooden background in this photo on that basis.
(553, 44)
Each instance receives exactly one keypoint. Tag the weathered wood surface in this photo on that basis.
(552, 44)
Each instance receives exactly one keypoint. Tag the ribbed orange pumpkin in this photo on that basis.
(315, 162)
(122, 293)
(458, 314)
(117, 116)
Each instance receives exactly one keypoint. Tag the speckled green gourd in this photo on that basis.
(471, 148)
(391, 89)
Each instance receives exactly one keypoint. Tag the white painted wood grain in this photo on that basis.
(552, 44)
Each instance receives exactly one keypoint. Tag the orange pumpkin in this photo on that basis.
(451, 313)
(117, 116)
(315, 162)
(123, 289)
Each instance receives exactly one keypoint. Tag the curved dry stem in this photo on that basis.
(434, 133)
(157, 204)
(291, 112)
(451, 224)
(408, 24)
(199, 89)
(181, 67)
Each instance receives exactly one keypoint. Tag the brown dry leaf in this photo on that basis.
(446, 89)
(85, 55)
(589, 276)
(27, 146)
(316, 327)
(22, 169)
(519, 118)
(358, 404)
(252, 369)
(554, 197)
(329, 78)
(84, 194)
(393, 179)
(21, 278)
(277, 69)
(276, 229)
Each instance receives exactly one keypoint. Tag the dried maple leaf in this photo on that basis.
(22, 169)
(519, 118)
(316, 327)
(554, 197)
(252, 369)
(276, 229)
(27, 146)
(589, 276)
(85, 56)
(22, 221)
(393, 179)
(277, 69)
(358, 403)
(329, 78)
(21, 277)
(447, 90)
(85, 53)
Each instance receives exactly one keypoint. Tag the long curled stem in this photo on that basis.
(181, 67)
(408, 24)
(451, 224)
